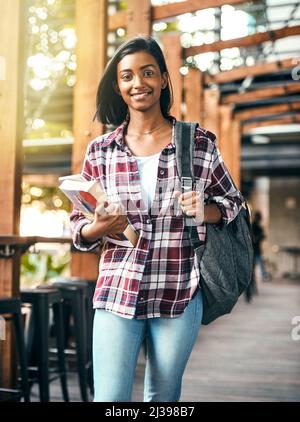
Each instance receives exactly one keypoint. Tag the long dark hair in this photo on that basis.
(111, 108)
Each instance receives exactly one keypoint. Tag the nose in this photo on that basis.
(138, 81)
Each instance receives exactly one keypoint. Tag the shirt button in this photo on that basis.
(141, 299)
(162, 172)
(148, 221)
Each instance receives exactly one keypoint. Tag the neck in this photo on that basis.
(141, 123)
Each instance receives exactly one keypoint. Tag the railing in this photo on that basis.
(10, 244)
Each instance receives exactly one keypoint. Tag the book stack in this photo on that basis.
(86, 195)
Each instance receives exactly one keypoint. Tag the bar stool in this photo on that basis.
(89, 286)
(41, 300)
(76, 297)
(11, 308)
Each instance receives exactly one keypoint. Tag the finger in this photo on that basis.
(191, 213)
(187, 195)
(188, 198)
(100, 209)
(191, 202)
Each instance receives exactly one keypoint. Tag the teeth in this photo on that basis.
(142, 94)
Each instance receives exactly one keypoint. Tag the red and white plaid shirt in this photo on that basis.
(159, 276)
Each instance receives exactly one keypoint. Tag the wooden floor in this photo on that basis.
(246, 356)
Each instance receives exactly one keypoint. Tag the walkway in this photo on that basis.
(246, 356)
(249, 355)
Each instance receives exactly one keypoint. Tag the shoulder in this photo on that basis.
(204, 140)
(202, 134)
(101, 142)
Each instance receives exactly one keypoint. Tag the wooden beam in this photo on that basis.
(249, 40)
(139, 18)
(229, 142)
(172, 52)
(91, 28)
(245, 71)
(211, 102)
(190, 6)
(85, 265)
(193, 89)
(225, 134)
(261, 93)
(266, 110)
(120, 19)
(235, 143)
(284, 120)
(12, 30)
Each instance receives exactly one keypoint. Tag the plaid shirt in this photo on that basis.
(159, 276)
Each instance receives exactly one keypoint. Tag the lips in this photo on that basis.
(141, 95)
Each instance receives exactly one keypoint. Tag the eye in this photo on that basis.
(148, 72)
(126, 77)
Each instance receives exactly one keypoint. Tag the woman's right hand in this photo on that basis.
(108, 219)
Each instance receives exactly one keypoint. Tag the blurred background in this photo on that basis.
(235, 69)
(269, 161)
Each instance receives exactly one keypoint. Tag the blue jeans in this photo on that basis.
(259, 261)
(116, 345)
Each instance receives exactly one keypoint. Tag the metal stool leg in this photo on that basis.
(80, 335)
(42, 321)
(22, 355)
(59, 328)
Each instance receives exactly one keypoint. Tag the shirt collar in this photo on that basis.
(118, 135)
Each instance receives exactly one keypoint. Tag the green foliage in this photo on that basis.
(37, 268)
(123, 5)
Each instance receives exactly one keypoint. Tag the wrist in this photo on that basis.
(212, 213)
(89, 232)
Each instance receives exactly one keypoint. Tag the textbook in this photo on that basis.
(84, 194)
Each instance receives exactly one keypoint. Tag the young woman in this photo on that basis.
(151, 292)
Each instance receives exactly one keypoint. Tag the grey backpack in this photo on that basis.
(226, 258)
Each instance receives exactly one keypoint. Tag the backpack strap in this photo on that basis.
(184, 141)
(184, 144)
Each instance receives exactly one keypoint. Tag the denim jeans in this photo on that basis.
(259, 262)
(116, 345)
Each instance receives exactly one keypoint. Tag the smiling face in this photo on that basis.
(140, 81)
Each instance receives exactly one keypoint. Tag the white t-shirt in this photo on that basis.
(148, 167)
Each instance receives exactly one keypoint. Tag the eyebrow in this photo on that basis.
(142, 67)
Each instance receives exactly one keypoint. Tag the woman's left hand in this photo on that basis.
(191, 204)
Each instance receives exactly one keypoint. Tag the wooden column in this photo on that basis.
(11, 135)
(211, 101)
(236, 152)
(193, 92)
(91, 29)
(229, 142)
(173, 55)
(139, 18)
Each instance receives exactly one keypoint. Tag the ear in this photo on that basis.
(164, 80)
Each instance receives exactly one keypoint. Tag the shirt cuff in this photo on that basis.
(79, 242)
(228, 210)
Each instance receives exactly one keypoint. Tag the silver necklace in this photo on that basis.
(149, 131)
